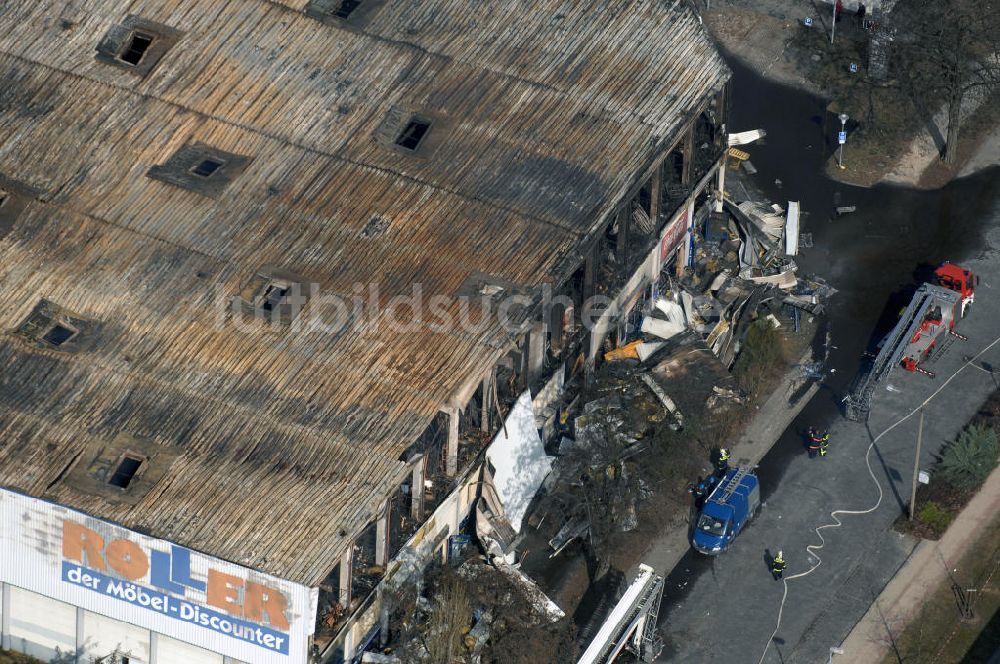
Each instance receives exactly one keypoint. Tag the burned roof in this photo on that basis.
(163, 162)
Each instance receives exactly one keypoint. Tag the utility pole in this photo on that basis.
(833, 25)
(916, 465)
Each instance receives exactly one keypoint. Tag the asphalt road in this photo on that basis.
(725, 609)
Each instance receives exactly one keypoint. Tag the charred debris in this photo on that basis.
(666, 375)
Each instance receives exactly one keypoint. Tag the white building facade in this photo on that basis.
(79, 589)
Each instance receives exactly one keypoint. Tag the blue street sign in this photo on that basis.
(808, 22)
(854, 68)
(842, 137)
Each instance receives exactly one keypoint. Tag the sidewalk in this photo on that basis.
(921, 575)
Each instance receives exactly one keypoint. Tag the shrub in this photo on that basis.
(969, 459)
(934, 517)
(762, 355)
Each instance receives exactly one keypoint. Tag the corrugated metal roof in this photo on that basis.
(543, 115)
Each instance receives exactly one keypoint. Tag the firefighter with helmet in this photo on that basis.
(778, 566)
(817, 443)
(722, 463)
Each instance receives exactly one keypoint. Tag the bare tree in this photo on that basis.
(951, 48)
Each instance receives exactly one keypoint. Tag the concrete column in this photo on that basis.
(154, 646)
(624, 227)
(589, 269)
(687, 149)
(451, 456)
(486, 401)
(383, 618)
(536, 350)
(81, 641)
(5, 616)
(346, 576)
(382, 535)
(655, 189)
(721, 185)
(417, 489)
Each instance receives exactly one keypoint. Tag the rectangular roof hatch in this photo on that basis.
(201, 168)
(136, 44)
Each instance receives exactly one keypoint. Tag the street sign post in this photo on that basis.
(842, 138)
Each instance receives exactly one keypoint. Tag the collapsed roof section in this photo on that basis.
(285, 439)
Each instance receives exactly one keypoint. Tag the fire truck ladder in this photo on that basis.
(631, 624)
(857, 403)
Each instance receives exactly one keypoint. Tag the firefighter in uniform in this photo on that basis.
(699, 491)
(817, 443)
(778, 566)
(722, 464)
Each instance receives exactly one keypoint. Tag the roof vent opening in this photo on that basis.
(136, 44)
(346, 8)
(200, 168)
(136, 47)
(274, 295)
(207, 167)
(59, 334)
(127, 468)
(342, 12)
(414, 132)
(51, 327)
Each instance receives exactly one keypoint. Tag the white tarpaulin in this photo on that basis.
(792, 229)
(745, 137)
(519, 460)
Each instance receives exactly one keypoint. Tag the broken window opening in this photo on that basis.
(59, 334)
(414, 132)
(346, 8)
(135, 50)
(207, 167)
(126, 471)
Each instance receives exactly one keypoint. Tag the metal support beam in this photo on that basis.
(382, 535)
(417, 489)
(346, 576)
(451, 457)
